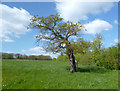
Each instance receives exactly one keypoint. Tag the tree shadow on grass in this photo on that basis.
(94, 69)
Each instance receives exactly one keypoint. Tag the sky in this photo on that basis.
(97, 17)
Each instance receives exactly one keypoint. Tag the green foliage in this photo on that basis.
(19, 56)
(54, 59)
(56, 31)
(39, 57)
(0, 75)
(55, 75)
(82, 59)
(63, 58)
(108, 58)
(97, 43)
(96, 48)
(81, 46)
(7, 56)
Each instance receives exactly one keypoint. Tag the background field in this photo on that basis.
(55, 75)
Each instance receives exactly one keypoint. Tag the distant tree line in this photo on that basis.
(20, 56)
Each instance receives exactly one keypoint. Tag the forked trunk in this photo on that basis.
(73, 63)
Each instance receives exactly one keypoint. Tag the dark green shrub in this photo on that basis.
(54, 59)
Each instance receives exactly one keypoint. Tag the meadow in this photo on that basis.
(0, 74)
(32, 74)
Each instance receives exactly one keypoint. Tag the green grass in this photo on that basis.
(0, 74)
(55, 75)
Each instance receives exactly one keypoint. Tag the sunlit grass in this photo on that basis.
(0, 74)
(55, 75)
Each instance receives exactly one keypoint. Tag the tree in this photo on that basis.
(57, 33)
(4, 55)
(24, 56)
(81, 46)
(18, 56)
(9, 56)
(96, 47)
(97, 43)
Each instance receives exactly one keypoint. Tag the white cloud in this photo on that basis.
(89, 0)
(97, 26)
(14, 22)
(111, 43)
(116, 40)
(8, 40)
(115, 21)
(35, 49)
(74, 10)
(23, 50)
(58, 0)
(8, 52)
(40, 51)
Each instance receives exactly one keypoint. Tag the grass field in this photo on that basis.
(55, 75)
(0, 74)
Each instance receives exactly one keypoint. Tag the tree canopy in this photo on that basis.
(56, 31)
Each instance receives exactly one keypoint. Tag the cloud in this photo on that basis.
(35, 49)
(116, 40)
(74, 10)
(97, 26)
(115, 21)
(89, 0)
(111, 43)
(6, 39)
(40, 51)
(58, 0)
(14, 22)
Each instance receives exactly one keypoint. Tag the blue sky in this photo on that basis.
(97, 18)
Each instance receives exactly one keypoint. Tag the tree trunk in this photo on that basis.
(73, 63)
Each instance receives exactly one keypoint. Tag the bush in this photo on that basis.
(63, 58)
(83, 59)
(54, 59)
(107, 58)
